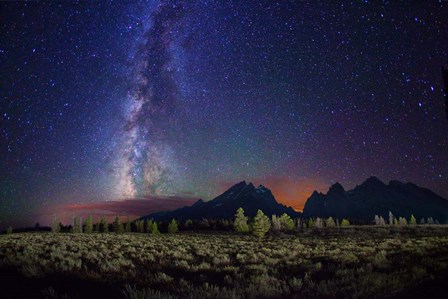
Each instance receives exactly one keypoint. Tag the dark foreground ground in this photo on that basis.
(353, 262)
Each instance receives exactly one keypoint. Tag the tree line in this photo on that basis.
(259, 226)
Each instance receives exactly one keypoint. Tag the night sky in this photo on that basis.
(170, 100)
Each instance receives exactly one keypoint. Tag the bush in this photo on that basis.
(261, 224)
(173, 227)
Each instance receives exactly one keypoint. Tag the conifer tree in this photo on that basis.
(154, 230)
(76, 225)
(55, 226)
(286, 222)
(240, 223)
(403, 221)
(413, 221)
(276, 225)
(173, 227)
(88, 225)
(391, 218)
(261, 224)
(140, 224)
(9, 230)
(330, 222)
(127, 226)
(104, 226)
(345, 222)
(118, 227)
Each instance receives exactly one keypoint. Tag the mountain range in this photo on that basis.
(225, 205)
(362, 203)
(374, 197)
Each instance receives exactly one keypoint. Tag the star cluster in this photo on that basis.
(123, 100)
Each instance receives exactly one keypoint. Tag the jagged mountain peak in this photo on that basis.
(224, 206)
(336, 189)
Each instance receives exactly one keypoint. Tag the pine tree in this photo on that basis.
(376, 220)
(286, 222)
(55, 226)
(391, 218)
(319, 223)
(330, 222)
(276, 225)
(188, 224)
(154, 230)
(430, 221)
(240, 223)
(104, 226)
(140, 224)
(311, 222)
(345, 222)
(127, 226)
(75, 225)
(403, 221)
(173, 227)
(413, 221)
(118, 227)
(88, 225)
(261, 224)
(9, 230)
(382, 221)
(422, 221)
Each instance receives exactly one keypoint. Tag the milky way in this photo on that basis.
(146, 162)
(167, 99)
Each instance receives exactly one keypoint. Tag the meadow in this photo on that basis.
(348, 262)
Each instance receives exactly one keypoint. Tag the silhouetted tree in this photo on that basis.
(173, 227)
(240, 223)
(261, 224)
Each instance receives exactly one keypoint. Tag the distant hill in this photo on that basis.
(373, 197)
(225, 205)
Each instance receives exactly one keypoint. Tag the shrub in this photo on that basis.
(173, 227)
(240, 223)
(261, 224)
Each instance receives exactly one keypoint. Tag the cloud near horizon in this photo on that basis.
(132, 208)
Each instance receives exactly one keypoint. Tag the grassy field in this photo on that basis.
(351, 262)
